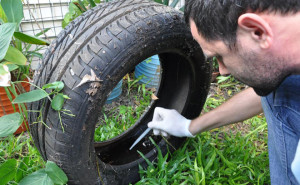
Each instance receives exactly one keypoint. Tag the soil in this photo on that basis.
(216, 91)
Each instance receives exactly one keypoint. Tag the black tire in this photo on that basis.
(111, 39)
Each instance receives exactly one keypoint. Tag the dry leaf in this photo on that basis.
(95, 85)
(153, 89)
(158, 69)
(91, 92)
(137, 102)
(153, 97)
(89, 78)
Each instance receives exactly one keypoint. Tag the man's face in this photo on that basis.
(246, 62)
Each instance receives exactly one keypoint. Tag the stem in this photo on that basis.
(27, 4)
(61, 122)
(34, 86)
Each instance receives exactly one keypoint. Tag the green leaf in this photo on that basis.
(92, 3)
(146, 159)
(66, 97)
(57, 102)
(6, 33)
(39, 177)
(74, 11)
(42, 32)
(182, 9)
(58, 85)
(82, 7)
(9, 124)
(2, 70)
(15, 56)
(64, 24)
(55, 173)
(30, 39)
(67, 18)
(12, 67)
(13, 10)
(174, 3)
(166, 2)
(211, 161)
(30, 96)
(22, 168)
(36, 54)
(158, 1)
(2, 14)
(8, 171)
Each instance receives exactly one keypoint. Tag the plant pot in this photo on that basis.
(7, 108)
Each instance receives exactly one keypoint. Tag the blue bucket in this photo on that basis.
(150, 68)
(115, 93)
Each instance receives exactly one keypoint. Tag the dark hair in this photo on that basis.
(217, 19)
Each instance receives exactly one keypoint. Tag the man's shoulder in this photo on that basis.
(288, 94)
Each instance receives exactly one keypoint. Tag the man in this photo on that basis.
(257, 41)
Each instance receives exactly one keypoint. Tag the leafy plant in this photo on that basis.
(14, 55)
(52, 174)
(215, 64)
(214, 157)
(14, 45)
(76, 8)
(19, 159)
(119, 119)
(234, 154)
(9, 123)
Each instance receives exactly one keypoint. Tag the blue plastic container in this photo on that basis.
(115, 93)
(150, 68)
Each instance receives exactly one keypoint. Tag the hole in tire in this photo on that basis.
(129, 100)
(114, 150)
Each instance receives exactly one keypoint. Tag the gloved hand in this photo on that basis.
(169, 121)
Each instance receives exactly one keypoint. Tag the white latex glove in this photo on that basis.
(169, 121)
(296, 164)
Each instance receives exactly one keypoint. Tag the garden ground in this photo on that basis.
(234, 154)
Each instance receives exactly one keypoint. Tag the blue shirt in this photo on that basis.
(282, 111)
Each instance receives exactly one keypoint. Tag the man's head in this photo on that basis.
(246, 37)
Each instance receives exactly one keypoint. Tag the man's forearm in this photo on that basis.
(242, 106)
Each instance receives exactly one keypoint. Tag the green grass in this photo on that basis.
(214, 158)
(121, 118)
(21, 149)
(235, 154)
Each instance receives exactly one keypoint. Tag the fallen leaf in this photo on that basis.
(91, 92)
(137, 102)
(158, 69)
(153, 89)
(153, 97)
(95, 85)
(89, 78)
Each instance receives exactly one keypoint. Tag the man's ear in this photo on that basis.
(259, 29)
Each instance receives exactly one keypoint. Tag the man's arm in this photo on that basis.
(240, 107)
